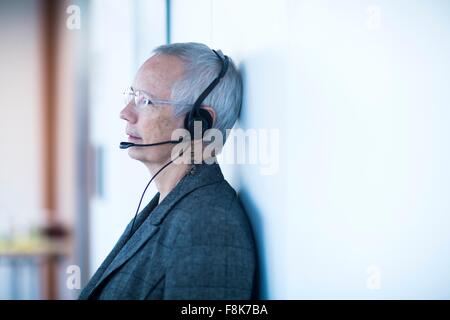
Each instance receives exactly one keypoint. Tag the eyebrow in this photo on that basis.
(145, 91)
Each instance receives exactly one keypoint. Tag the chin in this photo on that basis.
(143, 155)
(136, 154)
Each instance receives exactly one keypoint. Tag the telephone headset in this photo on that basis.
(195, 114)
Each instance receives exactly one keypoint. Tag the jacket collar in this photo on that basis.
(200, 175)
(148, 221)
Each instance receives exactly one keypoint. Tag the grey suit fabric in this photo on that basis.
(196, 244)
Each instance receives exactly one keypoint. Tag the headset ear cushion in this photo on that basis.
(201, 115)
(206, 118)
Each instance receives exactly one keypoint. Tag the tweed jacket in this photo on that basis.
(196, 244)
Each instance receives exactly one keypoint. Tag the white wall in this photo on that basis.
(359, 207)
(123, 35)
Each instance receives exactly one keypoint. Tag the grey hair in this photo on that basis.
(201, 67)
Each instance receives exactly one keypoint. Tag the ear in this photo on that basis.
(211, 112)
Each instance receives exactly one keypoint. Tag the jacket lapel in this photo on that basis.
(200, 175)
(98, 276)
(139, 238)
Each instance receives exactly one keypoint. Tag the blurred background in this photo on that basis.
(359, 205)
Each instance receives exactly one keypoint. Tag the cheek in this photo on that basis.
(160, 125)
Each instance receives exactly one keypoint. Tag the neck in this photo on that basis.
(169, 177)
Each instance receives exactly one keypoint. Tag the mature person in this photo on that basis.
(193, 240)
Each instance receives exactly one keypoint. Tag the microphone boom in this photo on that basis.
(126, 145)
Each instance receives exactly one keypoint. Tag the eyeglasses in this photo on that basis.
(141, 99)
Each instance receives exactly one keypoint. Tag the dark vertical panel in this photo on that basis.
(49, 109)
(168, 21)
(49, 116)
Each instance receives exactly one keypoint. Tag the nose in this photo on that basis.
(129, 113)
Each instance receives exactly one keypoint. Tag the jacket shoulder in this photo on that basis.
(213, 215)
